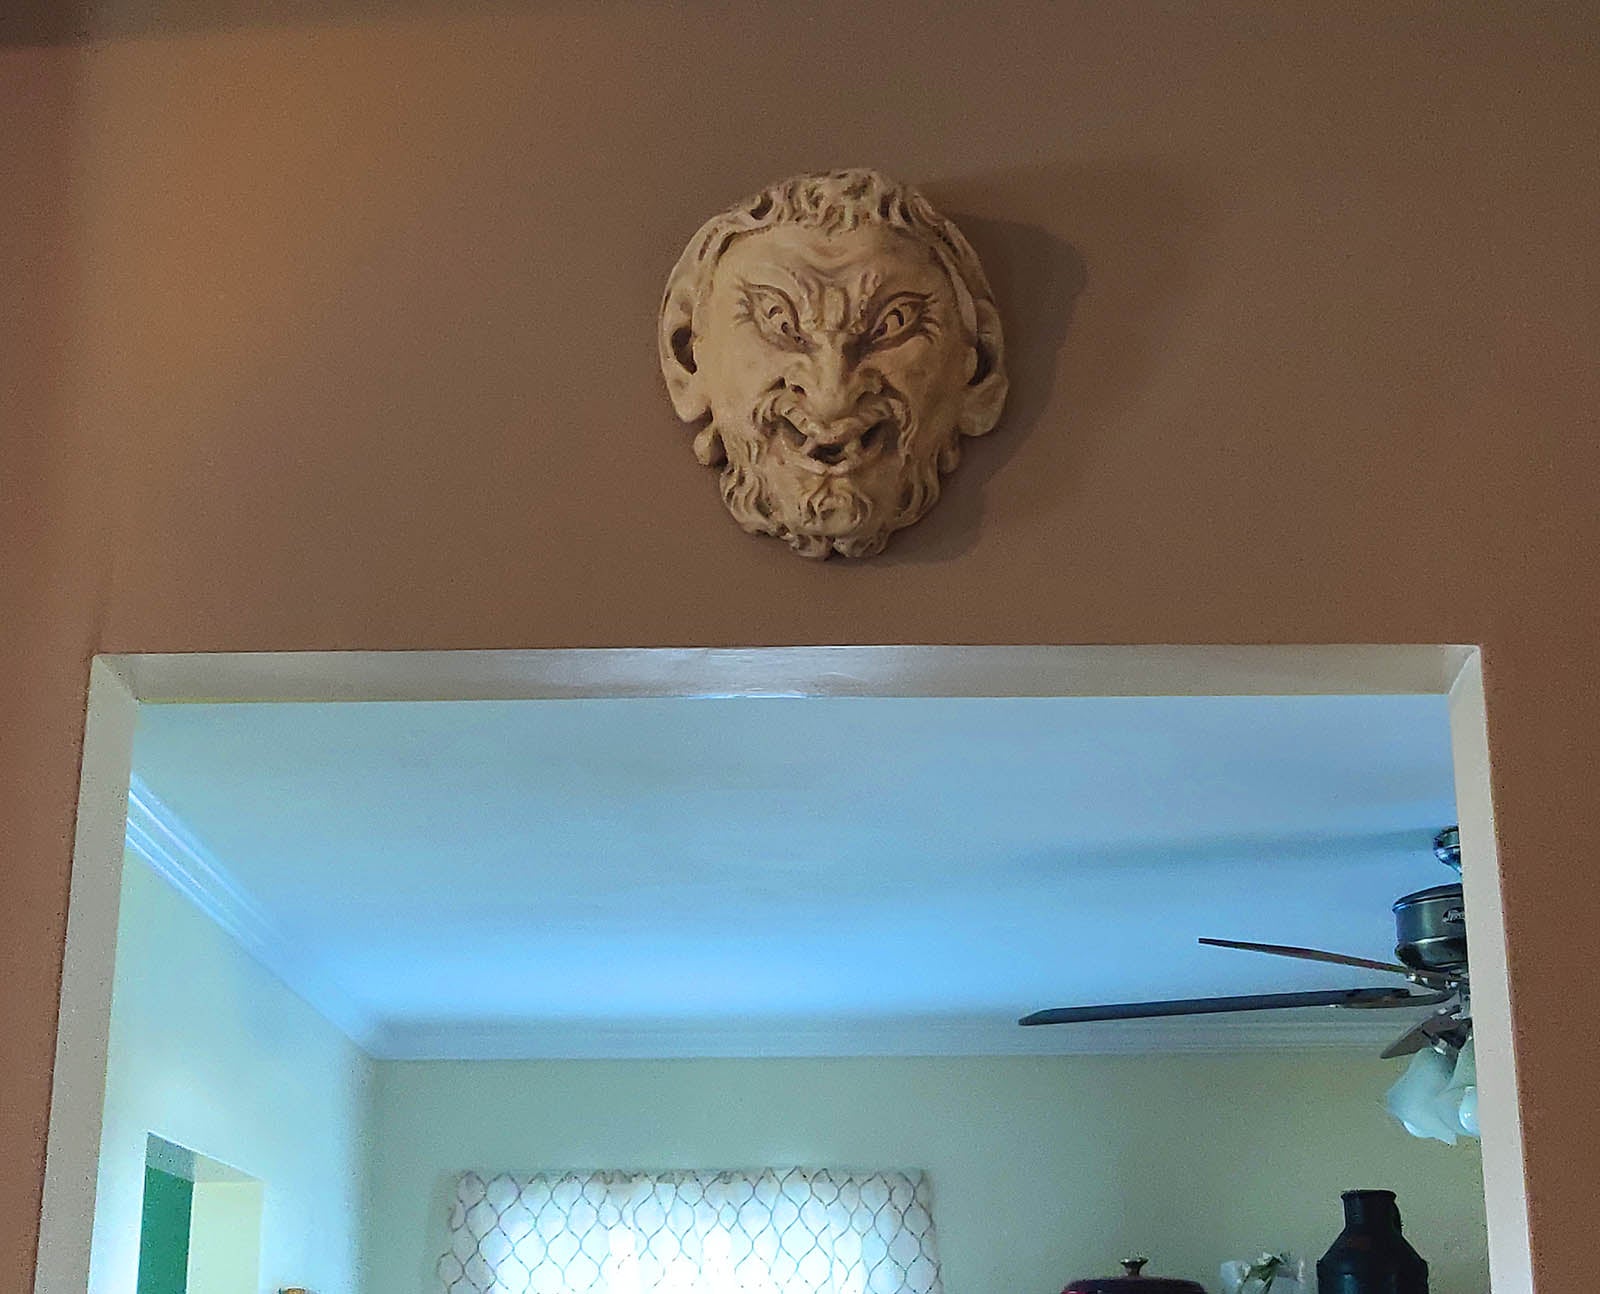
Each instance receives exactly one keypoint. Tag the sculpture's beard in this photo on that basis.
(843, 494)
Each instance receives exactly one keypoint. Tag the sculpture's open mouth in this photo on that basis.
(832, 455)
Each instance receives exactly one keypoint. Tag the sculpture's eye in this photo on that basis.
(774, 314)
(894, 321)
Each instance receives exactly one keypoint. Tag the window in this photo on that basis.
(793, 1231)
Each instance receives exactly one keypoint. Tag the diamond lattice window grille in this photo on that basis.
(766, 1231)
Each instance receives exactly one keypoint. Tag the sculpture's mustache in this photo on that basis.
(820, 485)
(879, 423)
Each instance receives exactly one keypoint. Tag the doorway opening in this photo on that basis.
(759, 679)
(200, 1224)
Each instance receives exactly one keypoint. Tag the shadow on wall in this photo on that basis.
(56, 22)
(1112, 288)
(48, 22)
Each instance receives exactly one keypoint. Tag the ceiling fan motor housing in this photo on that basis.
(1430, 929)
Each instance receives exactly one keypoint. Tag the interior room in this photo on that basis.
(375, 957)
(374, 327)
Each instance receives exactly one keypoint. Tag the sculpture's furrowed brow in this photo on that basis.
(771, 285)
(832, 299)
(825, 298)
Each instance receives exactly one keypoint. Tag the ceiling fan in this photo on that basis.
(1431, 948)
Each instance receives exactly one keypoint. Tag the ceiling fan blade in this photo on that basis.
(1367, 997)
(1337, 959)
(1441, 1025)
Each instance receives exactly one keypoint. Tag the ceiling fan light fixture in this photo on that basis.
(1460, 1096)
(1437, 1097)
(1415, 1098)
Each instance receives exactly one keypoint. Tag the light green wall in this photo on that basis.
(209, 1051)
(225, 1238)
(1043, 1169)
(164, 1233)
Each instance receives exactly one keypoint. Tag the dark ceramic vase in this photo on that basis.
(1371, 1256)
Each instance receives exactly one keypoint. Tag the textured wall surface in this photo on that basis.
(335, 323)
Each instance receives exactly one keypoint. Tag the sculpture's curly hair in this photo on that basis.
(836, 201)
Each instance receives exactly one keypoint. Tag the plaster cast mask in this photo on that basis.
(835, 359)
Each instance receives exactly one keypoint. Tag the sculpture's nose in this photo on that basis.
(830, 386)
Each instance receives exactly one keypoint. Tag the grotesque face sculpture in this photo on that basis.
(835, 337)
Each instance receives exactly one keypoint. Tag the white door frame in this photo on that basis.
(120, 684)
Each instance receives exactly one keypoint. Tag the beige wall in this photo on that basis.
(1043, 1168)
(335, 330)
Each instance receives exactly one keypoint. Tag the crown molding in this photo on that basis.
(156, 835)
(1313, 1029)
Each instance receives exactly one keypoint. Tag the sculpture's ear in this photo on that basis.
(986, 388)
(675, 340)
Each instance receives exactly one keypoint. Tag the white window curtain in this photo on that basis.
(770, 1231)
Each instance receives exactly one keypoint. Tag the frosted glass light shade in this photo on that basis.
(1437, 1096)
(1460, 1096)
(1415, 1098)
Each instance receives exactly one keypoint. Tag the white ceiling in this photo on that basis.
(760, 875)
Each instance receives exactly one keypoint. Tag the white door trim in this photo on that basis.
(119, 684)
